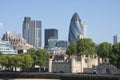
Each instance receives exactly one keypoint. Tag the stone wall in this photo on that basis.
(74, 65)
(108, 69)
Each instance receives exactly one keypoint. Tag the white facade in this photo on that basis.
(84, 25)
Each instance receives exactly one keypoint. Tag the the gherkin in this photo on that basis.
(77, 28)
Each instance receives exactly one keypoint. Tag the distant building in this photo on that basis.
(74, 65)
(52, 43)
(50, 34)
(57, 47)
(32, 32)
(62, 43)
(16, 40)
(116, 39)
(77, 29)
(13, 37)
(7, 48)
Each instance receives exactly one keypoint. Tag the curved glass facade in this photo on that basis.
(76, 29)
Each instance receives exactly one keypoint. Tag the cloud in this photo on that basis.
(1, 25)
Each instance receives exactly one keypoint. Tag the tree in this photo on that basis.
(10, 60)
(27, 60)
(104, 50)
(3, 60)
(85, 46)
(71, 50)
(34, 56)
(1, 55)
(42, 57)
(115, 57)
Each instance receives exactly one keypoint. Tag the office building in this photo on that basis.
(62, 43)
(77, 28)
(32, 32)
(116, 39)
(50, 34)
(52, 43)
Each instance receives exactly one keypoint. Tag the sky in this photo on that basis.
(102, 16)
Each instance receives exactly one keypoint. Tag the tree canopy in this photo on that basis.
(34, 57)
(85, 46)
(72, 49)
(115, 57)
(40, 56)
(104, 49)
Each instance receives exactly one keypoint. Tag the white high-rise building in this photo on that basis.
(84, 25)
(32, 32)
(116, 39)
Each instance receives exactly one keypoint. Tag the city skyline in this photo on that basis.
(102, 17)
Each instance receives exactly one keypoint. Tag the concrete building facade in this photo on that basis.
(32, 32)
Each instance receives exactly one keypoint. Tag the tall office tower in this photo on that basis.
(32, 32)
(77, 29)
(116, 39)
(50, 34)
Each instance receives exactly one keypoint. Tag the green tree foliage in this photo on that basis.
(115, 57)
(34, 56)
(40, 56)
(85, 46)
(71, 50)
(3, 60)
(18, 60)
(104, 50)
(10, 60)
(27, 60)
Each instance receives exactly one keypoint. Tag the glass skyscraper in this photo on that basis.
(77, 29)
(32, 32)
(50, 34)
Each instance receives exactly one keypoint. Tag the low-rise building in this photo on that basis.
(7, 48)
(17, 40)
(74, 65)
(82, 64)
